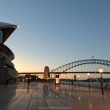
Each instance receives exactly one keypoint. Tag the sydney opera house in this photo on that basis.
(7, 69)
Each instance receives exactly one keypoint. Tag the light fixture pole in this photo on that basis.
(101, 72)
(88, 74)
(78, 80)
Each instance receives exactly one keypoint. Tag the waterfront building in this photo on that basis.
(7, 69)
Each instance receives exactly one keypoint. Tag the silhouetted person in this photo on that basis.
(28, 82)
(106, 86)
(6, 83)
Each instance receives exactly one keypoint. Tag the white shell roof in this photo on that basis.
(7, 29)
(7, 25)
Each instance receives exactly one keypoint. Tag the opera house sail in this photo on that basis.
(7, 69)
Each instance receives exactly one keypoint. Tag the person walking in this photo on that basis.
(6, 83)
(28, 82)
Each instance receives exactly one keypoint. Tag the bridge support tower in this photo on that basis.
(46, 73)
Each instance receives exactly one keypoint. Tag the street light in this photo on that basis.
(101, 71)
(57, 79)
(78, 76)
(78, 79)
(88, 74)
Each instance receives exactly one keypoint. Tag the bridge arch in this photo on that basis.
(98, 62)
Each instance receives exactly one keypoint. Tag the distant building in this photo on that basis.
(7, 69)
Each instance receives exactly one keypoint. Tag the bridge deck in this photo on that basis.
(63, 72)
(43, 96)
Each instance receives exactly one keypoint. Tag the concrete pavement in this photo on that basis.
(45, 96)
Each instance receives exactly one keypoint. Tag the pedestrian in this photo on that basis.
(106, 86)
(28, 82)
(6, 83)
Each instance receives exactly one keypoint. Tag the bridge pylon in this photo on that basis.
(46, 75)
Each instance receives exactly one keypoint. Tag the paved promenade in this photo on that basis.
(44, 96)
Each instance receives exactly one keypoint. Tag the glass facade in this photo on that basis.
(1, 36)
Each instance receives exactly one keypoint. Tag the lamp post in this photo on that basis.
(101, 71)
(72, 80)
(88, 74)
(57, 81)
(78, 80)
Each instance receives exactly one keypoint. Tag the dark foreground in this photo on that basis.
(45, 96)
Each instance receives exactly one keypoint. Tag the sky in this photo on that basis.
(55, 32)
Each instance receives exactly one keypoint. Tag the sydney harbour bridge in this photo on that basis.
(85, 66)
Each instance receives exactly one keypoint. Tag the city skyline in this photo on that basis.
(56, 32)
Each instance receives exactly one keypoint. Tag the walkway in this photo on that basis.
(44, 96)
